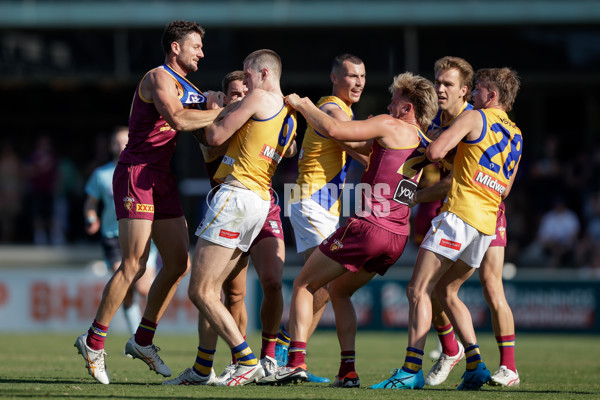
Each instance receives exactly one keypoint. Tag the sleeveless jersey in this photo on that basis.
(482, 170)
(438, 123)
(322, 165)
(390, 182)
(151, 140)
(257, 148)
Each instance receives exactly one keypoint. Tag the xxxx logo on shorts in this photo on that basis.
(128, 202)
(145, 208)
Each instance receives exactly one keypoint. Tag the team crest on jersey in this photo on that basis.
(336, 245)
(270, 154)
(128, 202)
(145, 208)
(195, 98)
(228, 161)
(405, 192)
(489, 183)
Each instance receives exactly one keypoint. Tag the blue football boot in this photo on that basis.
(402, 380)
(473, 380)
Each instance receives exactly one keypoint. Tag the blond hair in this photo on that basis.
(420, 93)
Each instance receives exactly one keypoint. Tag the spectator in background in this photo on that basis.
(557, 233)
(11, 191)
(99, 193)
(546, 176)
(67, 197)
(588, 247)
(42, 173)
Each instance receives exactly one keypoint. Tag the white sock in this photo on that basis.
(133, 316)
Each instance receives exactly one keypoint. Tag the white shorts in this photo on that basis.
(312, 223)
(234, 217)
(454, 239)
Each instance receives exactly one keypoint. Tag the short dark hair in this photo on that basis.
(338, 61)
(230, 77)
(176, 31)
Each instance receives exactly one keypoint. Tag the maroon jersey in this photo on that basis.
(151, 140)
(390, 182)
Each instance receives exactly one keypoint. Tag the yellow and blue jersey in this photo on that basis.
(482, 171)
(322, 165)
(439, 122)
(257, 148)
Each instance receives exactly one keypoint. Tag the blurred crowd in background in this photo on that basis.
(553, 212)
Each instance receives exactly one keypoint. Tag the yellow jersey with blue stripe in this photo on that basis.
(482, 171)
(257, 148)
(322, 165)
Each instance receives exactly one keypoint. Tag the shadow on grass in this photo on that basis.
(507, 391)
(86, 385)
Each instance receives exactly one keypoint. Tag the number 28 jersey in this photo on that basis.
(482, 170)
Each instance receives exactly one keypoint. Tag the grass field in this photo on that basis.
(35, 366)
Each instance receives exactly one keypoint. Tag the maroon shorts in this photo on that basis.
(272, 226)
(141, 192)
(500, 240)
(361, 244)
(422, 221)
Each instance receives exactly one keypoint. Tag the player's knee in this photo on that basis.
(234, 297)
(177, 269)
(413, 293)
(271, 286)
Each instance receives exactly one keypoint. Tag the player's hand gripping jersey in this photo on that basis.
(151, 140)
(322, 165)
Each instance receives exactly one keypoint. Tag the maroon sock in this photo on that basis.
(145, 332)
(268, 345)
(96, 335)
(506, 345)
(447, 339)
(296, 354)
(347, 360)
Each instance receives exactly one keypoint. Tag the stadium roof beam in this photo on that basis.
(293, 13)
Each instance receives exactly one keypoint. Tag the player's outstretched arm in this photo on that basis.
(235, 117)
(158, 87)
(468, 124)
(347, 131)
